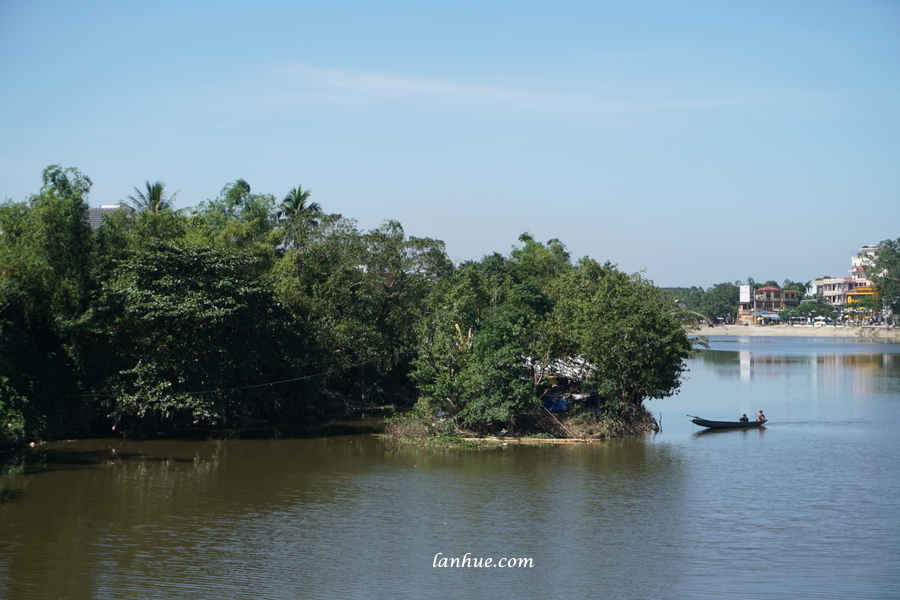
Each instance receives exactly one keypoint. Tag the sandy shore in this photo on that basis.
(883, 333)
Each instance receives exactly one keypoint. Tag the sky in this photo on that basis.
(694, 142)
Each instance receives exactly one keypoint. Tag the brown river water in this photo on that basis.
(807, 507)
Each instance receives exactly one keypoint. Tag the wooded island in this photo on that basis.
(251, 309)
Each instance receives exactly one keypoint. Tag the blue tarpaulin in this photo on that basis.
(552, 403)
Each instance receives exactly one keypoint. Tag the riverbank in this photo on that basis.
(830, 331)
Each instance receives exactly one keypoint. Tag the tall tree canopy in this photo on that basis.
(496, 329)
(885, 272)
(46, 255)
(237, 218)
(626, 331)
(480, 324)
(197, 334)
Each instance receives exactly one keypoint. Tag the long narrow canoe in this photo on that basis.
(725, 424)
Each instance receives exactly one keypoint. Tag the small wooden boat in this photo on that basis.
(724, 424)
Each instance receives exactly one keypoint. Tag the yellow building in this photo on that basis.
(863, 301)
(861, 294)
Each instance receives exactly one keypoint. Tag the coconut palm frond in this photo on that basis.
(153, 199)
(294, 204)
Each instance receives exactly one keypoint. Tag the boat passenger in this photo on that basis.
(760, 416)
(745, 419)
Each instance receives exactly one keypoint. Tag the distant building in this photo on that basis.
(839, 291)
(834, 289)
(764, 305)
(865, 257)
(96, 215)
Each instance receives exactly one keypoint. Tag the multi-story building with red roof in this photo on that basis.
(765, 304)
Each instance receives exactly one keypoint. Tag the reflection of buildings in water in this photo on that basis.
(860, 373)
(749, 363)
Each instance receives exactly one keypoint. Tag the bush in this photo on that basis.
(12, 418)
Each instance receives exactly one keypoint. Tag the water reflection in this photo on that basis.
(746, 361)
(288, 518)
(737, 431)
(858, 373)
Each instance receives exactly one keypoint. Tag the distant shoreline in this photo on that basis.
(830, 331)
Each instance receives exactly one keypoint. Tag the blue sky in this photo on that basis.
(697, 142)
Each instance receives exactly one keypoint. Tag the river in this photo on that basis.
(807, 507)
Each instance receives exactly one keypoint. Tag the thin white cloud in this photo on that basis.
(391, 88)
(305, 85)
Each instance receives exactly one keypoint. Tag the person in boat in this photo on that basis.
(745, 419)
(760, 416)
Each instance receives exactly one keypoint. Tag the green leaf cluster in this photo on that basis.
(198, 333)
(718, 302)
(885, 272)
(626, 331)
(46, 253)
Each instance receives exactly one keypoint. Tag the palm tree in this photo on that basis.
(294, 205)
(153, 200)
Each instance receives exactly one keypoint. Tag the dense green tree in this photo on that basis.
(885, 272)
(719, 301)
(691, 296)
(60, 239)
(66, 182)
(489, 340)
(45, 280)
(15, 324)
(236, 196)
(125, 230)
(473, 341)
(237, 218)
(181, 335)
(491, 390)
(361, 293)
(625, 330)
(539, 262)
(297, 218)
(13, 410)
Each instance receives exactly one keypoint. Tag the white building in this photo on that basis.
(835, 289)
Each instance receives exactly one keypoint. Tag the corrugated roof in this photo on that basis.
(95, 215)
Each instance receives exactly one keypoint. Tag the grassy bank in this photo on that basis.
(412, 428)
